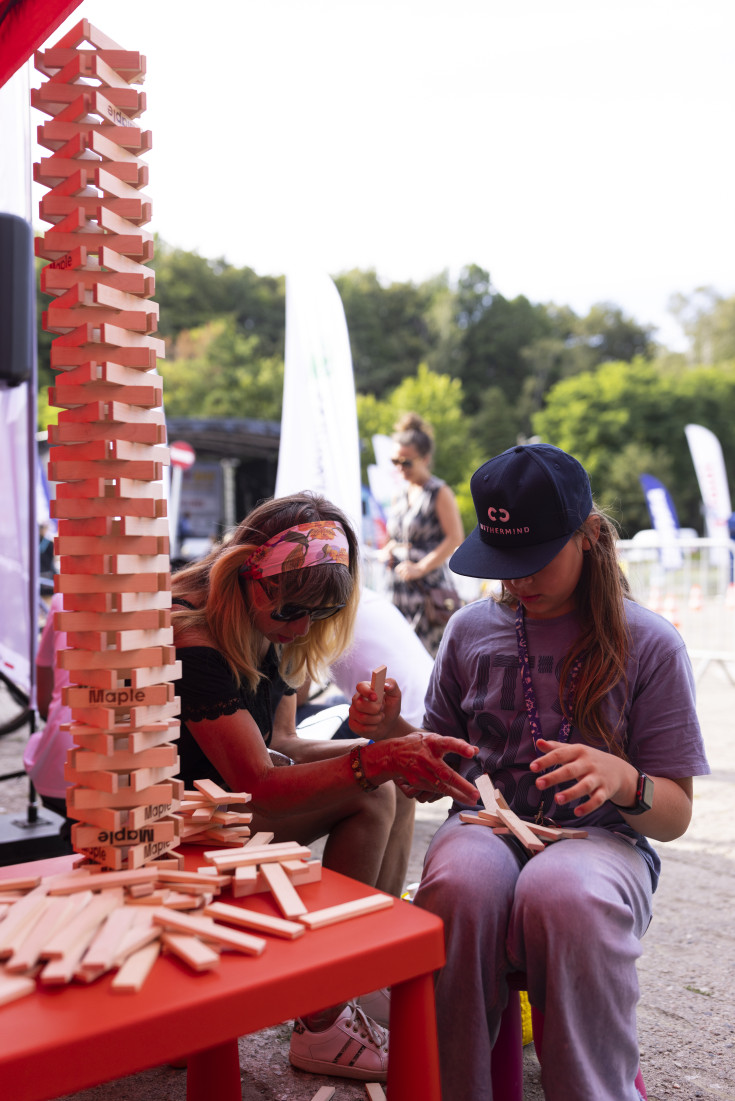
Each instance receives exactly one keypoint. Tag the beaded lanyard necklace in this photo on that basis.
(530, 697)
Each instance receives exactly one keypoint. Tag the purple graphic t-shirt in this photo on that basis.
(475, 693)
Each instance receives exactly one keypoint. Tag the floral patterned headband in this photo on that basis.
(321, 543)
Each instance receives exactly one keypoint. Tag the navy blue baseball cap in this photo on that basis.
(529, 501)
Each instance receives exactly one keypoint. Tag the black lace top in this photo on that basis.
(208, 689)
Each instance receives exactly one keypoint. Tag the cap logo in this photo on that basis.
(500, 515)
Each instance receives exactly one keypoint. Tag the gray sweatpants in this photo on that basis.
(571, 917)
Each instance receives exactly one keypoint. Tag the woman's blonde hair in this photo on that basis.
(604, 640)
(214, 583)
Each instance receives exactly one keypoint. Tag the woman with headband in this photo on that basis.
(252, 620)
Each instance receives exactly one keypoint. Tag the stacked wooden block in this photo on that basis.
(108, 452)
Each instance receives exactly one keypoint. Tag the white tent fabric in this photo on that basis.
(319, 447)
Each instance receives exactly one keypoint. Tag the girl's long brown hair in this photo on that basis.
(604, 640)
(223, 611)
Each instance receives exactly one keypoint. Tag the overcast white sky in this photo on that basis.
(579, 150)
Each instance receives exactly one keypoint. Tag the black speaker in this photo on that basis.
(17, 313)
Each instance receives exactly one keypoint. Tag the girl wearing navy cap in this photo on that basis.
(581, 704)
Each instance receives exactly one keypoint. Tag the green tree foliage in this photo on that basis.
(599, 415)
(708, 320)
(485, 370)
(215, 371)
(438, 399)
(390, 328)
(192, 291)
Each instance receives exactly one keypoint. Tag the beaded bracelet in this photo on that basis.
(359, 771)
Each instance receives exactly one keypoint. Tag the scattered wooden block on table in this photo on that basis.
(374, 1091)
(136, 968)
(286, 896)
(19, 883)
(230, 938)
(226, 860)
(344, 911)
(253, 919)
(13, 987)
(218, 795)
(199, 956)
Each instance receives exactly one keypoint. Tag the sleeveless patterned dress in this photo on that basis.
(415, 525)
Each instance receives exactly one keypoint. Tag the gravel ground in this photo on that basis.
(687, 972)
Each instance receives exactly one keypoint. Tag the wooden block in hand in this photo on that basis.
(484, 785)
(377, 682)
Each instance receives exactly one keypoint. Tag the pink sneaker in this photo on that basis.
(353, 1047)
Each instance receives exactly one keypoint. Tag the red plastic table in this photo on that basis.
(60, 1040)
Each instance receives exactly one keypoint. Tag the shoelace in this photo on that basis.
(360, 1022)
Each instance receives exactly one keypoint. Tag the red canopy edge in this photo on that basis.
(24, 27)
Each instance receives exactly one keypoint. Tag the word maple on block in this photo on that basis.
(107, 454)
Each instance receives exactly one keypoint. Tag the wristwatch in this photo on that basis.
(643, 796)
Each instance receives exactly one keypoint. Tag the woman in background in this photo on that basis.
(424, 529)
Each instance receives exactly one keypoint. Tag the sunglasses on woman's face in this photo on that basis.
(405, 463)
(289, 613)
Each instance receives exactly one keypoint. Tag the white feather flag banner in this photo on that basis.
(709, 465)
(319, 447)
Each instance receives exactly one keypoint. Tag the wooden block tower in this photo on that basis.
(108, 453)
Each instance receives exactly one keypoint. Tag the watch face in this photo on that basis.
(645, 792)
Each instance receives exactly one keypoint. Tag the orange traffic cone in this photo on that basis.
(695, 598)
(671, 612)
(654, 599)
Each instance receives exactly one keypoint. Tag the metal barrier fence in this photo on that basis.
(691, 584)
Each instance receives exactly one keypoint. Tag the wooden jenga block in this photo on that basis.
(484, 785)
(198, 956)
(230, 938)
(20, 921)
(374, 1091)
(13, 987)
(105, 945)
(345, 911)
(55, 915)
(100, 881)
(252, 919)
(218, 795)
(326, 1093)
(19, 883)
(377, 682)
(520, 829)
(136, 968)
(286, 850)
(285, 895)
